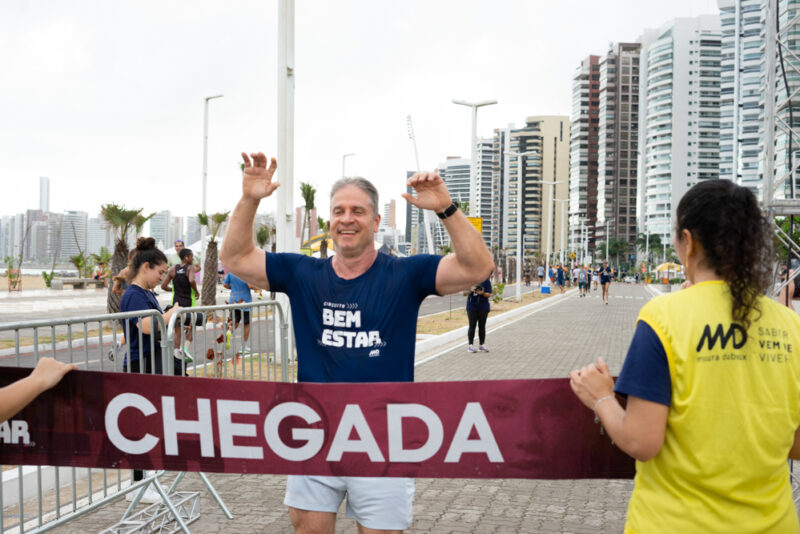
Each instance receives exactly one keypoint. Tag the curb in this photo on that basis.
(461, 332)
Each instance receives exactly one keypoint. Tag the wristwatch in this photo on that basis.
(451, 209)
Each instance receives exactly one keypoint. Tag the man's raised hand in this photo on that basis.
(257, 178)
(431, 191)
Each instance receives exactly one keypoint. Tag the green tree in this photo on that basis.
(213, 223)
(641, 244)
(82, 263)
(618, 248)
(104, 256)
(122, 221)
(780, 237)
(308, 192)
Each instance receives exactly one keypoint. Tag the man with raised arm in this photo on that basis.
(355, 317)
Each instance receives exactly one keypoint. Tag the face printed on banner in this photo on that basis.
(550, 433)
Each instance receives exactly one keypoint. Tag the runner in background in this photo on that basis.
(583, 281)
(184, 292)
(240, 292)
(606, 272)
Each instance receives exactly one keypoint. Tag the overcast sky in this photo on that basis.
(106, 97)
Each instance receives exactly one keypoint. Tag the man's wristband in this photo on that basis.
(451, 209)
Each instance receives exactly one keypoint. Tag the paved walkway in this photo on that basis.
(544, 344)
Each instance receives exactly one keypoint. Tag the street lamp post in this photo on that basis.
(520, 177)
(473, 185)
(563, 203)
(611, 219)
(549, 225)
(205, 168)
(344, 157)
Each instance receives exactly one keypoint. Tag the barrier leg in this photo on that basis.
(216, 496)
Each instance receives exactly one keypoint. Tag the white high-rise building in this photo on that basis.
(99, 236)
(192, 230)
(74, 234)
(455, 173)
(160, 229)
(44, 194)
(740, 91)
(583, 152)
(11, 234)
(680, 116)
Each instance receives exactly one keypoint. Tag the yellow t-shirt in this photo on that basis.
(734, 410)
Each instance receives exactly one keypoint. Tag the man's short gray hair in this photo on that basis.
(361, 183)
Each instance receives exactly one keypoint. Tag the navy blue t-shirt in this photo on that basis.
(137, 298)
(477, 302)
(645, 373)
(359, 330)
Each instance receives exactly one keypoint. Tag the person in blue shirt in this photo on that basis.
(148, 265)
(560, 273)
(606, 272)
(478, 308)
(355, 317)
(240, 292)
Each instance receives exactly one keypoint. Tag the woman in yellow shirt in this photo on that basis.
(712, 380)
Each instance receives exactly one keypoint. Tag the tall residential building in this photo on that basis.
(618, 143)
(42, 235)
(455, 173)
(99, 235)
(679, 125)
(583, 152)
(160, 229)
(12, 234)
(740, 91)
(389, 215)
(44, 194)
(529, 217)
(74, 233)
(192, 234)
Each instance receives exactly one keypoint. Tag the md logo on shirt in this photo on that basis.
(735, 333)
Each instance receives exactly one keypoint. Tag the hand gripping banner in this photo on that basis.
(481, 429)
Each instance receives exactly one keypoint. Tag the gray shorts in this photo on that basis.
(377, 503)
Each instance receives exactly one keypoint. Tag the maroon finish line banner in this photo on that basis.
(482, 429)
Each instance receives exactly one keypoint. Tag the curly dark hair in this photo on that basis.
(735, 235)
(146, 252)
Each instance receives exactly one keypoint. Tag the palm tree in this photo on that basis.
(213, 223)
(641, 243)
(121, 221)
(325, 226)
(616, 248)
(307, 191)
(82, 263)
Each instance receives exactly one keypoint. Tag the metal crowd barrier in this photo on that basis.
(39, 498)
(224, 349)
